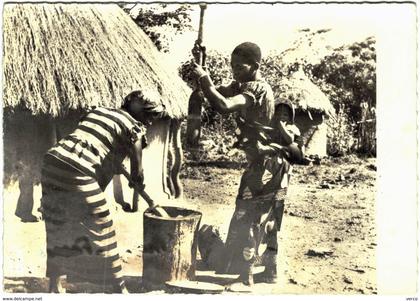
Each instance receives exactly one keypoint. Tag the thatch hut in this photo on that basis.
(312, 109)
(59, 60)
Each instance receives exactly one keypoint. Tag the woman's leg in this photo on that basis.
(240, 248)
(119, 287)
(269, 257)
(56, 278)
(56, 285)
(81, 238)
(54, 272)
(248, 256)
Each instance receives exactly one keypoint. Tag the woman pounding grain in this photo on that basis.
(251, 98)
(81, 239)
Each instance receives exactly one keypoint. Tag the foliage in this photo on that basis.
(158, 20)
(218, 67)
(340, 134)
(273, 70)
(215, 145)
(348, 76)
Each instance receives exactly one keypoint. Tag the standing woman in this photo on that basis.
(81, 239)
(251, 98)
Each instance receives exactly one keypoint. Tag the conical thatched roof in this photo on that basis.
(67, 56)
(303, 93)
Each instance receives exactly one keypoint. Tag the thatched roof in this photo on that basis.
(303, 93)
(69, 56)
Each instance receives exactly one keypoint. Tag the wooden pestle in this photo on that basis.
(155, 209)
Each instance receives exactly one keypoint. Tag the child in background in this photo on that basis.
(284, 135)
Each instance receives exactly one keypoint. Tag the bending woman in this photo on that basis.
(81, 239)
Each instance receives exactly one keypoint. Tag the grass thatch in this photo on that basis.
(304, 94)
(58, 57)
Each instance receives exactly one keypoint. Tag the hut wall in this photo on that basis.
(314, 133)
(27, 138)
(155, 160)
(154, 167)
(318, 144)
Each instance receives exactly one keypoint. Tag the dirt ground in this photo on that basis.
(328, 235)
(327, 240)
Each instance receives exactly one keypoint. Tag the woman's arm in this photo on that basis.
(218, 96)
(221, 103)
(287, 135)
(136, 153)
(270, 149)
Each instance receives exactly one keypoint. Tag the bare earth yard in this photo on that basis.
(327, 241)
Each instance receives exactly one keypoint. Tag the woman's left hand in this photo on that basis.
(197, 71)
(137, 181)
(126, 207)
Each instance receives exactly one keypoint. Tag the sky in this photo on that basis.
(275, 26)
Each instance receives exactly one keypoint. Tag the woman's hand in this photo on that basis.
(197, 71)
(263, 149)
(285, 133)
(139, 178)
(136, 174)
(137, 181)
(248, 253)
(126, 207)
(197, 52)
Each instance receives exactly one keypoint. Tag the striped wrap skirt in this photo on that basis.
(81, 240)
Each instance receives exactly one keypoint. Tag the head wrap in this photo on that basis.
(249, 52)
(148, 105)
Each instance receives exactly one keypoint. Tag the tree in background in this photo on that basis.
(348, 77)
(160, 21)
(346, 74)
(218, 66)
(217, 129)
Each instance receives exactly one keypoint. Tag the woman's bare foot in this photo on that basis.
(269, 275)
(119, 288)
(56, 285)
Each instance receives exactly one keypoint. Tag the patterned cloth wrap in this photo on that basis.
(258, 213)
(256, 220)
(261, 195)
(249, 133)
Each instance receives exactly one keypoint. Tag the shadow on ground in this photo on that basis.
(40, 285)
(134, 284)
